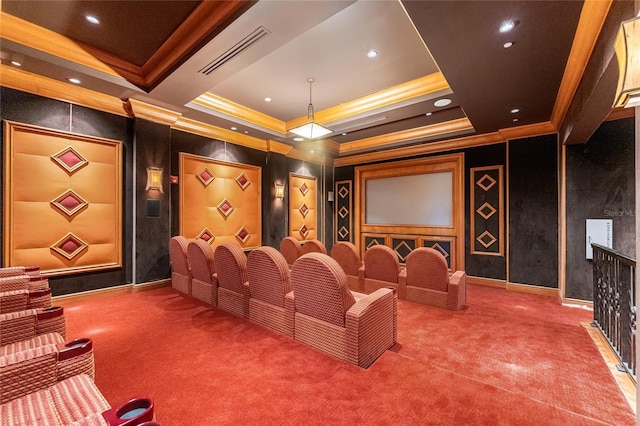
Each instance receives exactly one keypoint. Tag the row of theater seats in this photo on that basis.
(425, 278)
(308, 301)
(45, 380)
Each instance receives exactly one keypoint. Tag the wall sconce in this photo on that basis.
(329, 195)
(154, 179)
(628, 52)
(279, 190)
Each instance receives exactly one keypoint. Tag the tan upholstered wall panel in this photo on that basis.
(220, 201)
(303, 207)
(62, 199)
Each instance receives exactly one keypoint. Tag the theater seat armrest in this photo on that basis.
(458, 284)
(402, 284)
(369, 303)
(370, 324)
(459, 279)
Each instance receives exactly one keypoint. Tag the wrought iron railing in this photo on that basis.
(614, 303)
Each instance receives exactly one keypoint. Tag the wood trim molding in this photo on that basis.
(588, 304)
(67, 299)
(153, 113)
(54, 89)
(421, 86)
(520, 288)
(487, 282)
(279, 148)
(31, 35)
(422, 149)
(208, 16)
(592, 17)
(625, 382)
(211, 101)
(527, 131)
(534, 289)
(460, 124)
(620, 113)
(208, 130)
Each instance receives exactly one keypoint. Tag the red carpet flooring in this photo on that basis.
(509, 359)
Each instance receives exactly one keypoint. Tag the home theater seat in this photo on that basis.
(204, 280)
(427, 281)
(291, 249)
(233, 288)
(271, 304)
(354, 327)
(22, 325)
(180, 270)
(23, 371)
(74, 401)
(381, 270)
(347, 256)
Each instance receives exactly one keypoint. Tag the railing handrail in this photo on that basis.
(614, 303)
(621, 256)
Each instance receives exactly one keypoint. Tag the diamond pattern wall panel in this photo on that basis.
(343, 211)
(303, 207)
(487, 211)
(63, 200)
(220, 202)
(443, 245)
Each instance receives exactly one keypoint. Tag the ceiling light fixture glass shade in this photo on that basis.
(627, 48)
(311, 129)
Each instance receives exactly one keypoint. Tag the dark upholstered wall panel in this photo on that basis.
(533, 211)
(600, 185)
(274, 220)
(482, 265)
(44, 112)
(152, 142)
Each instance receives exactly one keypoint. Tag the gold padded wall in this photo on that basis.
(220, 202)
(62, 200)
(303, 207)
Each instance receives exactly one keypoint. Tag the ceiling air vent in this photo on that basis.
(255, 36)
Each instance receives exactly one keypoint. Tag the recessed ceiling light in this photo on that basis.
(372, 53)
(428, 114)
(344, 134)
(515, 110)
(507, 26)
(267, 99)
(515, 119)
(508, 44)
(442, 102)
(74, 81)
(246, 132)
(16, 63)
(312, 151)
(234, 128)
(92, 19)
(298, 139)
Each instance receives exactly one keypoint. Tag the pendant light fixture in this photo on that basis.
(310, 130)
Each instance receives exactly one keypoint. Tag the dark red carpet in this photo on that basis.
(510, 358)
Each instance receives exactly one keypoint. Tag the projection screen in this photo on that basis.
(420, 200)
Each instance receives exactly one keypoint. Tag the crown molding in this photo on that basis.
(421, 86)
(421, 149)
(457, 125)
(28, 34)
(208, 130)
(54, 89)
(529, 130)
(592, 18)
(216, 103)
